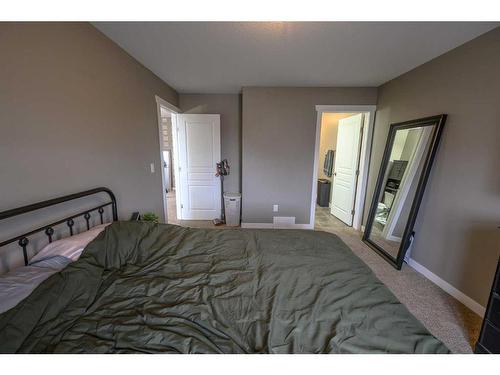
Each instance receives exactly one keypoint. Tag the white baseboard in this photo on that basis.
(302, 226)
(271, 226)
(394, 238)
(448, 288)
(257, 225)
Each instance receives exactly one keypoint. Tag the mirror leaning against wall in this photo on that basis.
(408, 157)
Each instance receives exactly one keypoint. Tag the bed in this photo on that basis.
(140, 287)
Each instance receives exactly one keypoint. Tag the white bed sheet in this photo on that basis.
(18, 284)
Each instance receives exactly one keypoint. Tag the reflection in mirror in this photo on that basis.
(399, 186)
(404, 163)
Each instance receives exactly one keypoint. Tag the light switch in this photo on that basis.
(152, 166)
(275, 208)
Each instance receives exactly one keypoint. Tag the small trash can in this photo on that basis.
(323, 196)
(232, 204)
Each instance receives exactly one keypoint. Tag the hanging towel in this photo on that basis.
(328, 165)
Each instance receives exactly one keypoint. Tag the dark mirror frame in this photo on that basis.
(408, 234)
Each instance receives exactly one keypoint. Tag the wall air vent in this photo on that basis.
(283, 222)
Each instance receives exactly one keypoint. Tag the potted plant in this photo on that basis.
(151, 217)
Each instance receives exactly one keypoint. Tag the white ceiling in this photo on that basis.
(218, 57)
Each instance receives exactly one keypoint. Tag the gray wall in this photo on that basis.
(229, 107)
(278, 136)
(76, 112)
(456, 231)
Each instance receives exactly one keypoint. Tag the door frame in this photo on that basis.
(162, 103)
(364, 157)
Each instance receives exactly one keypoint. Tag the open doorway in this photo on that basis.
(166, 125)
(343, 140)
(190, 149)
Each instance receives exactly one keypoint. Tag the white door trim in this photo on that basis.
(364, 159)
(172, 108)
(167, 105)
(175, 165)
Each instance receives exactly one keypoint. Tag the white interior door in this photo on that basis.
(346, 165)
(198, 138)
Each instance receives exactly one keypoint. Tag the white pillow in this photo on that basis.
(69, 247)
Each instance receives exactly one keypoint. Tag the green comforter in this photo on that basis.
(148, 288)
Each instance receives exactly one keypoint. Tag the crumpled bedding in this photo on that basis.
(149, 288)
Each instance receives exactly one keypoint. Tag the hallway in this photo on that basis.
(172, 216)
(172, 208)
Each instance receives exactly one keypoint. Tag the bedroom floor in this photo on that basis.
(172, 216)
(392, 247)
(445, 317)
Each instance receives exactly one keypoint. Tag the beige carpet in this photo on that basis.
(445, 317)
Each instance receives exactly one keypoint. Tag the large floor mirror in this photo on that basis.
(409, 153)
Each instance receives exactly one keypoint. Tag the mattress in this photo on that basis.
(149, 288)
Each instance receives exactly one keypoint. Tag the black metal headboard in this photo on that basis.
(23, 240)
